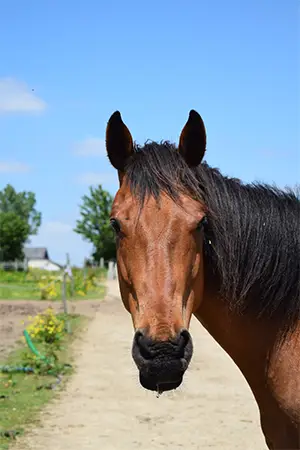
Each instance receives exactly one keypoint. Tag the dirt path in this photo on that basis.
(104, 408)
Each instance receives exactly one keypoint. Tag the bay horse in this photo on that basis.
(192, 241)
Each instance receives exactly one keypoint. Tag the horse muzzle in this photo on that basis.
(162, 364)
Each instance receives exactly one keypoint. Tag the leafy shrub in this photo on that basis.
(50, 287)
(46, 327)
(46, 331)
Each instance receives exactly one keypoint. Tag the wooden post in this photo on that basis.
(84, 270)
(64, 292)
(70, 273)
(110, 273)
(65, 302)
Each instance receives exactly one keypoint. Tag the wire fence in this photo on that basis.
(14, 265)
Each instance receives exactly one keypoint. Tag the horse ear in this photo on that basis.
(119, 143)
(192, 142)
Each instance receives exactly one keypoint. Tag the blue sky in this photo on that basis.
(66, 66)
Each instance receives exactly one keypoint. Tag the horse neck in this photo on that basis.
(245, 339)
(272, 371)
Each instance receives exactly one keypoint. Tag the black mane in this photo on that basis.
(252, 235)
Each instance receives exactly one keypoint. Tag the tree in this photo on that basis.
(94, 224)
(18, 220)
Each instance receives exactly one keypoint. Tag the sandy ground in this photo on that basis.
(104, 407)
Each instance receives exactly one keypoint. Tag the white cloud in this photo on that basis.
(90, 147)
(92, 178)
(13, 167)
(16, 97)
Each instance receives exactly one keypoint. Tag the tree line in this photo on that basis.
(20, 220)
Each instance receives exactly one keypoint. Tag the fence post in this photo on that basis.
(84, 270)
(65, 303)
(111, 274)
(70, 273)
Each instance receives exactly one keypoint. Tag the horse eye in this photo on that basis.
(202, 223)
(115, 225)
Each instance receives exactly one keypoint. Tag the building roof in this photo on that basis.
(36, 253)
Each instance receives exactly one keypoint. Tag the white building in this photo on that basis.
(38, 258)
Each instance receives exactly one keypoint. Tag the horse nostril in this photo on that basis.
(143, 345)
(185, 335)
(149, 349)
(184, 340)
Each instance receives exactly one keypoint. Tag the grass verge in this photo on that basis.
(42, 285)
(22, 396)
(31, 292)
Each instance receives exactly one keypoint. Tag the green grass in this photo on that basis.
(25, 286)
(14, 291)
(31, 292)
(23, 398)
(98, 293)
